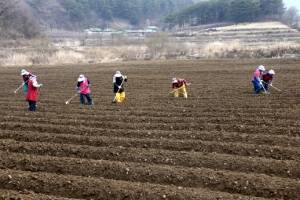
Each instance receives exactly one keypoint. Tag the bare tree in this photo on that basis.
(291, 17)
(25, 23)
(16, 20)
(8, 9)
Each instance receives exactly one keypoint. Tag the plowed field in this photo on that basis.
(223, 142)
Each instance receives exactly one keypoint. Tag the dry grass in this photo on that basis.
(260, 25)
(220, 50)
(173, 49)
(66, 57)
(215, 44)
(16, 59)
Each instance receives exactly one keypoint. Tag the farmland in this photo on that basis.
(223, 142)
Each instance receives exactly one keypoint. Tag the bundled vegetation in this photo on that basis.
(214, 11)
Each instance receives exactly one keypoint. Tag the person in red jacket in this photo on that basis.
(268, 79)
(179, 84)
(32, 93)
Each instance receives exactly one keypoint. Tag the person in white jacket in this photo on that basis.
(118, 81)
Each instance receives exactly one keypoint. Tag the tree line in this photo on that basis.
(131, 10)
(16, 18)
(216, 11)
(16, 15)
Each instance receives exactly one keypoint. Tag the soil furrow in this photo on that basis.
(28, 195)
(99, 188)
(282, 168)
(258, 139)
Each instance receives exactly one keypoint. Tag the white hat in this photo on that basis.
(174, 80)
(81, 78)
(271, 71)
(118, 74)
(261, 67)
(24, 72)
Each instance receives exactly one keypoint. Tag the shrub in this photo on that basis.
(157, 43)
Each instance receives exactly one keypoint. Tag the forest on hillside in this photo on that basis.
(27, 18)
(132, 10)
(214, 11)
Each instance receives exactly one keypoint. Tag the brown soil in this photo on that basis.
(223, 142)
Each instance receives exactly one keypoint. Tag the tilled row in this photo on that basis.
(232, 148)
(219, 136)
(95, 118)
(28, 195)
(192, 108)
(198, 178)
(70, 186)
(138, 151)
(202, 124)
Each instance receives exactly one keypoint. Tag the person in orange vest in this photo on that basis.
(83, 88)
(118, 81)
(268, 79)
(32, 93)
(179, 84)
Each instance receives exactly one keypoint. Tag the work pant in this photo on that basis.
(120, 96)
(266, 86)
(182, 90)
(88, 97)
(257, 86)
(32, 106)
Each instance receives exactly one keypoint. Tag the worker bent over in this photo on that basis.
(32, 93)
(179, 85)
(118, 81)
(268, 79)
(83, 88)
(256, 79)
(26, 76)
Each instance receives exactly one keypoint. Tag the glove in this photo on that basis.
(125, 77)
(120, 87)
(41, 85)
(261, 82)
(174, 90)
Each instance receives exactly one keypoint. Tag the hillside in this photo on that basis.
(78, 15)
(51, 14)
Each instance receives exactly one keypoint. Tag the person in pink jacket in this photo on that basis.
(257, 79)
(83, 88)
(32, 93)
